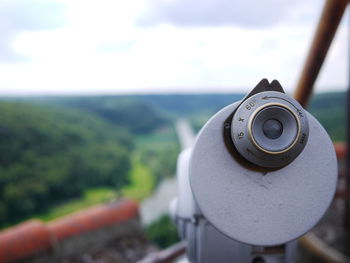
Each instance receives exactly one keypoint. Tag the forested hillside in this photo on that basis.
(141, 113)
(48, 155)
(330, 109)
(136, 115)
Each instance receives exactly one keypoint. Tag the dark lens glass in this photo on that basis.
(272, 129)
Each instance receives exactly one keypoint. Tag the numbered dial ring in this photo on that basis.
(270, 129)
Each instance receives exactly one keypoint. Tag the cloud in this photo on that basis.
(248, 13)
(17, 16)
(101, 51)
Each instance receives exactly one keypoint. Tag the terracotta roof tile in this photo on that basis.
(24, 240)
(33, 237)
(93, 218)
(340, 149)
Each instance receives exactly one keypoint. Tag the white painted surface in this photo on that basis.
(262, 208)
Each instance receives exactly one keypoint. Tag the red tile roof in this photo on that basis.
(24, 240)
(93, 218)
(340, 149)
(33, 237)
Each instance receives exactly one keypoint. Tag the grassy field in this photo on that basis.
(145, 162)
(90, 197)
(142, 181)
(158, 152)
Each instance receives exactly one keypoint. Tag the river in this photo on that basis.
(158, 203)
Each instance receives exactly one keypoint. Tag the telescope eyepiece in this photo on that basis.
(269, 129)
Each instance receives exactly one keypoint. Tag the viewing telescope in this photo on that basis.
(262, 173)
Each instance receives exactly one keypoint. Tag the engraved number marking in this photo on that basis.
(250, 105)
(302, 139)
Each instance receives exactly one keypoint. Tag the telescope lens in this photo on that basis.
(272, 129)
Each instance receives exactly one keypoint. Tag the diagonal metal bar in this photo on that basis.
(326, 29)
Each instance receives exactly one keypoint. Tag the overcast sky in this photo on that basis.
(50, 47)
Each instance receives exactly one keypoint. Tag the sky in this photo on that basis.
(88, 47)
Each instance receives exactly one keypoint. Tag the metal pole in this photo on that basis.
(327, 26)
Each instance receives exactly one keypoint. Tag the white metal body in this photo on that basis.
(228, 212)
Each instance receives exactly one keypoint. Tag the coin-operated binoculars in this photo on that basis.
(261, 173)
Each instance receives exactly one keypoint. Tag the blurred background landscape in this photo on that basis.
(92, 94)
(61, 154)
